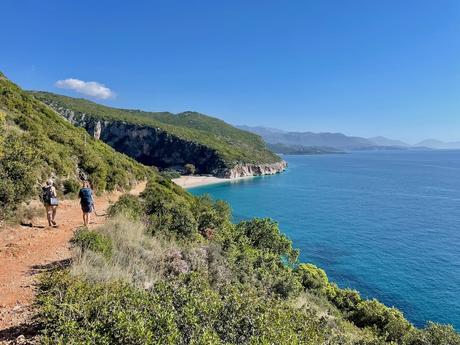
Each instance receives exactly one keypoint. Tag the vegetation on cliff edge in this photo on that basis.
(180, 272)
(232, 144)
(36, 144)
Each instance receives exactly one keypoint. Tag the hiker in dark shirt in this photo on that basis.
(86, 202)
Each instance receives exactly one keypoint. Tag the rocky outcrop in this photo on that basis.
(242, 170)
(155, 146)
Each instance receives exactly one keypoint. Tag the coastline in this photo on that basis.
(199, 181)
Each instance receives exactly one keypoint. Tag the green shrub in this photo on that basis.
(71, 186)
(435, 334)
(346, 300)
(210, 214)
(2, 132)
(74, 311)
(189, 311)
(312, 277)
(170, 174)
(18, 173)
(265, 235)
(169, 211)
(173, 219)
(92, 240)
(129, 206)
(389, 321)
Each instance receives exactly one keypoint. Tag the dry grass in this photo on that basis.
(137, 258)
(28, 214)
(142, 259)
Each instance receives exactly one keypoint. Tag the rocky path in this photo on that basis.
(27, 251)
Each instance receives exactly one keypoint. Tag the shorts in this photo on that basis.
(87, 208)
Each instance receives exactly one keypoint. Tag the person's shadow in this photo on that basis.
(31, 225)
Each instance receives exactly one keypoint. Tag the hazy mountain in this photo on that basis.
(260, 129)
(438, 144)
(301, 150)
(336, 141)
(382, 141)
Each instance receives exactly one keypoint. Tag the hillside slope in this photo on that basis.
(166, 140)
(38, 144)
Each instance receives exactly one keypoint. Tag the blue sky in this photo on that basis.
(360, 67)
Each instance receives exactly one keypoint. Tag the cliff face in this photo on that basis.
(154, 146)
(241, 170)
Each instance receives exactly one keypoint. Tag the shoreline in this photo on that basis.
(199, 181)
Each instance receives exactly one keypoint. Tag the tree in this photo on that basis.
(190, 169)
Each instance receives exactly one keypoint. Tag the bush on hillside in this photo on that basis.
(169, 217)
(389, 321)
(346, 300)
(91, 240)
(129, 206)
(170, 174)
(188, 311)
(18, 173)
(436, 334)
(210, 214)
(71, 186)
(264, 234)
(2, 132)
(312, 277)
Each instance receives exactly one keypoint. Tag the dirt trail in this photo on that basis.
(26, 251)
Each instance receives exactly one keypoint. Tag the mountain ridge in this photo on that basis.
(438, 144)
(341, 141)
(169, 140)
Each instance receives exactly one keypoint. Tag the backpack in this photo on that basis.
(46, 194)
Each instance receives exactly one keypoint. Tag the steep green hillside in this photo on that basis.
(37, 143)
(232, 145)
(169, 268)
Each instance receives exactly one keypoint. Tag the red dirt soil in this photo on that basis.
(26, 251)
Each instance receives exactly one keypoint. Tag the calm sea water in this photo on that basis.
(384, 223)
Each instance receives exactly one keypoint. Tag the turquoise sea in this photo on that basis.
(384, 223)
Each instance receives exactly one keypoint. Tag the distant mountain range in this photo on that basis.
(438, 144)
(330, 142)
(301, 150)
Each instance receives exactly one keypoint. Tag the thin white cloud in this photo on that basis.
(89, 88)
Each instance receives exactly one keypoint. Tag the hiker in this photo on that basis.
(49, 197)
(86, 201)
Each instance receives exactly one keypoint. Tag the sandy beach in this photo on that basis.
(197, 181)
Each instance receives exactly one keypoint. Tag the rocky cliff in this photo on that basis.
(155, 146)
(241, 170)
